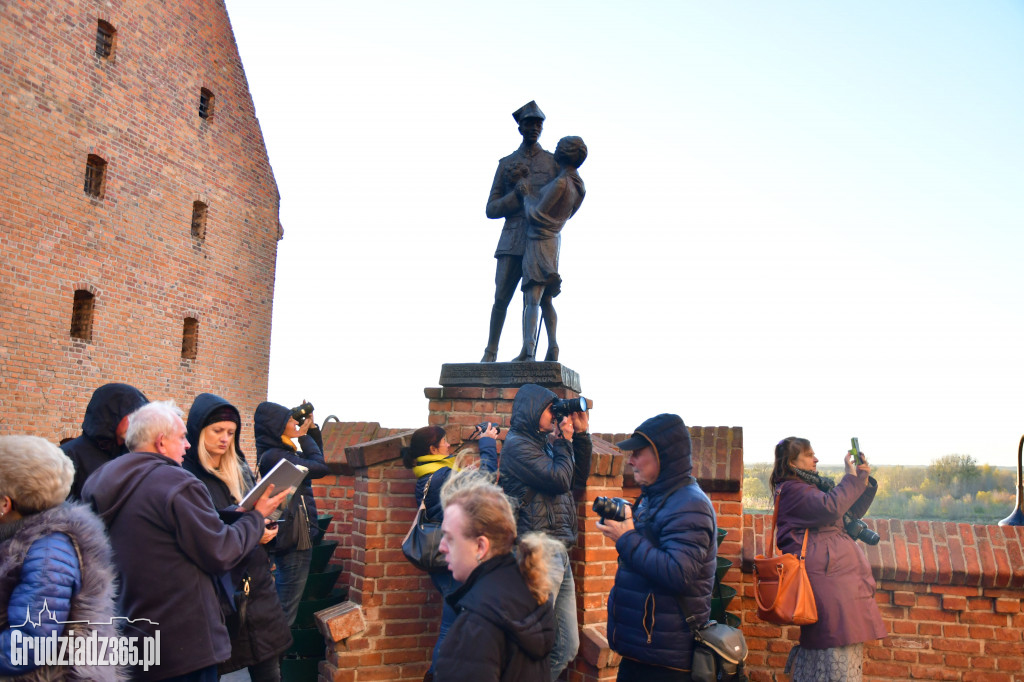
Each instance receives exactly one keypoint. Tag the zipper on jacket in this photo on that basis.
(649, 631)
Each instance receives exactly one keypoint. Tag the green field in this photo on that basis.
(951, 488)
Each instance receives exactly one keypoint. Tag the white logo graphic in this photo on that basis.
(79, 649)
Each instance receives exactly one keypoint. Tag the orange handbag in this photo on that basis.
(782, 589)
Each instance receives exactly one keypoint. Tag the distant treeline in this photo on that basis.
(951, 488)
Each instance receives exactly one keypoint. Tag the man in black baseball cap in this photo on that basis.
(667, 550)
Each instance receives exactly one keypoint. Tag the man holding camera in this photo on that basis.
(291, 434)
(545, 460)
(667, 556)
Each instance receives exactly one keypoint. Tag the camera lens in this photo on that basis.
(868, 537)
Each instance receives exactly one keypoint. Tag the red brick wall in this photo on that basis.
(950, 594)
(133, 247)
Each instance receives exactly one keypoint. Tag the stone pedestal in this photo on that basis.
(476, 392)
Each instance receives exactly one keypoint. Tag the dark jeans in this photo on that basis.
(290, 578)
(207, 674)
(445, 583)
(632, 671)
(266, 671)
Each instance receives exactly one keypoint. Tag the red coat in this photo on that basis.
(844, 589)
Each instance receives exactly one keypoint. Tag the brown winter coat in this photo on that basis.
(844, 588)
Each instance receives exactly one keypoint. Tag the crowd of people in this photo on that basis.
(136, 528)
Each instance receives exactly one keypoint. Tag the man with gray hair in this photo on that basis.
(168, 544)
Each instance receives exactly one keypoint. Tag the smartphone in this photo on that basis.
(858, 458)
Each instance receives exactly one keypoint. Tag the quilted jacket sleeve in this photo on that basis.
(530, 462)
(685, 538)
(50, 576)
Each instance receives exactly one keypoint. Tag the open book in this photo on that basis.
(284, 475)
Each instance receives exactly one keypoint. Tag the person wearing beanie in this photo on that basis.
(259, 632)
(279, 436)
(667, 556)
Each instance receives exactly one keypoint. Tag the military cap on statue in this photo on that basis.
(528, 110)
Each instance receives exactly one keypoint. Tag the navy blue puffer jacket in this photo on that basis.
(671, 555)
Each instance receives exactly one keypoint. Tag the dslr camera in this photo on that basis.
(563, 407)
(302, 412)
(613, 508)
(482, 426)
(858, 530)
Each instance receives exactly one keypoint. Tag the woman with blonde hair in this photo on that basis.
(505, 626)
(259, 631)
(53, 557)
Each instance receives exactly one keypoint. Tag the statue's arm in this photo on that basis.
(538, 209)
(500, 204)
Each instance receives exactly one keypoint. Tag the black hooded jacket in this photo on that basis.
(270, 421)
(670, 556)
(98, 444)
(168, 543)
(263, 632)
(500, 632)
(539, 474)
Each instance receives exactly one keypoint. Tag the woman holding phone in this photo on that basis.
(832, 649)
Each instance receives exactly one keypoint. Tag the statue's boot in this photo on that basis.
(552, 355)
(494, 333)
(531, 325)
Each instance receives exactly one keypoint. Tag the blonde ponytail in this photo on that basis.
(536, 552)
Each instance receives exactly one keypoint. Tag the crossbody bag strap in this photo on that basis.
(775, 524)
(423, 500)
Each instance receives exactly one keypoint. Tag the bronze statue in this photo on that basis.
(546, 213)
(535, 167)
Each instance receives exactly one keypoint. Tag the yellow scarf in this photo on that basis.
(288, 441)
(428, 464)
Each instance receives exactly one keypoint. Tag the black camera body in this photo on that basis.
(482, 426)
(858, 530)
(613, 508)
(563, 407)
(301, 412)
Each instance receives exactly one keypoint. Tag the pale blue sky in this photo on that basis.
(802, 218)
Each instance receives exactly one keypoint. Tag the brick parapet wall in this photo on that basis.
(335, 494)
(949, 593)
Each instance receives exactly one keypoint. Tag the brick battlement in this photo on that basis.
(950, 594)
(933, 552)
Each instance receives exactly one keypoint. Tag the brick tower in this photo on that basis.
(139, 211)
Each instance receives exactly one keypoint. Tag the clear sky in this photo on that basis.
(802, 218)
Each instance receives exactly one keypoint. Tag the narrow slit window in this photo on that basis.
(190, 339)
(81, 315)
(95, 174)
(199, 220)
(105, 34)
(205, 103)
